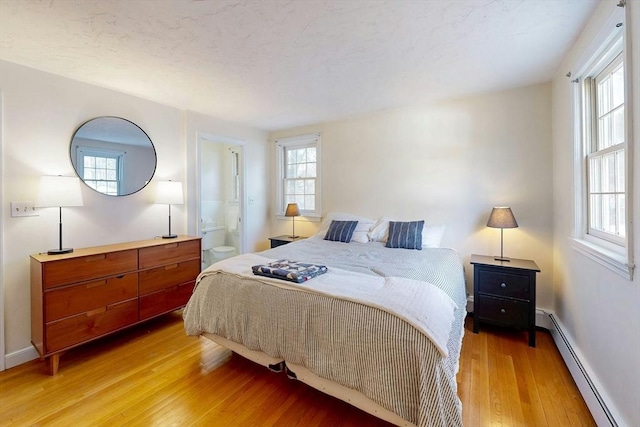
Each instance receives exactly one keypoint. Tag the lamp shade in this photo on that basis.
(292, 210)
(59, 191)
(502, 217)
(169, 193)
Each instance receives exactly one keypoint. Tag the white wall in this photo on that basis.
(598, 308)
(40, 113)
(449, 163)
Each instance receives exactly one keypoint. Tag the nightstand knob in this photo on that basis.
(503, 311)
(503, 285)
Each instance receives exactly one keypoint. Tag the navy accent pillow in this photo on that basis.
(341, 231)
(406, 235)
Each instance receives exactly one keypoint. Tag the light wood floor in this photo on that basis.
(154, 375)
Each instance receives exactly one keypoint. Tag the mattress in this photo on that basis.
(383, 353)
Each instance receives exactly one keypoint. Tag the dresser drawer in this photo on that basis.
(165, 300)
(85, 268)
(70, 300)
(504, 284)
(502, 311)
(169, 253)
(160, 278)
(82, 327)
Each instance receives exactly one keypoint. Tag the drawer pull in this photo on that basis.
(503, 285)
(503, 311)
(171, 267)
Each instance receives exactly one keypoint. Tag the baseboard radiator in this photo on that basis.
(600, 410)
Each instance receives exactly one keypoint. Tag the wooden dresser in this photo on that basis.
(93, 292)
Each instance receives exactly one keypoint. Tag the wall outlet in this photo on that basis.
(23, 209)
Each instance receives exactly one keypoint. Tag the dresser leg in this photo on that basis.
(54, 363)
(532, 338)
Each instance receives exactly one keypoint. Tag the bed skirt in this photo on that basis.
(353, 397)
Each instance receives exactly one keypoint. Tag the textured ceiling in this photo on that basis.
(279, 64)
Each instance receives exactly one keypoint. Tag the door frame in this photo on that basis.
(226, 140)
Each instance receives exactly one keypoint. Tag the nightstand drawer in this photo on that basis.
(502, 311)
(504, 284)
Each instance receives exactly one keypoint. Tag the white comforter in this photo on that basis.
(355, 325)
(422, 304)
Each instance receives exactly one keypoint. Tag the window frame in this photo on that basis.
(604, 48)
(284, 144)
(96, 152)
(592, 138)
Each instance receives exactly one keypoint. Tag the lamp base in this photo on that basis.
(59, 251)
(293, 237)
(497, 258)
(169, 236)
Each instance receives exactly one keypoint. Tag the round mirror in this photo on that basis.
(113, 156)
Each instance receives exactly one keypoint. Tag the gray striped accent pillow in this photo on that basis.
(406, 235)
(341, 231)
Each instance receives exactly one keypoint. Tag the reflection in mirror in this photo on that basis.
(113, 156)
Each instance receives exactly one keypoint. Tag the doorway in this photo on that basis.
(221, 197)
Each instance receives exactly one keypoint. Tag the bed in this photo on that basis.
(382, 329)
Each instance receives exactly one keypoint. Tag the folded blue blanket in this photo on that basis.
(292, 271)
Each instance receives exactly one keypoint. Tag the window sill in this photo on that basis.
(306, 218)
(615, 262)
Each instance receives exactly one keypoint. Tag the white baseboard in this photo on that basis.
(19, 357)
(600, 405)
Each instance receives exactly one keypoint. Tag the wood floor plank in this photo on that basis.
(154, 374)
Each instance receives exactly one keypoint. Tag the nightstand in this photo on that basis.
(504, 293)
(283, 240)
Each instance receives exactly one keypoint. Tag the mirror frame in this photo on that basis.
(73, 145)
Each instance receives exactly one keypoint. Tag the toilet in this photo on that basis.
(214, 250)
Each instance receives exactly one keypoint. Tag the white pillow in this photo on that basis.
(360, 234)
(380, 230)
(431, 234)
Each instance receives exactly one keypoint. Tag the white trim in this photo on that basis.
(200, 136)
(599, 403)
(629, 137)
(602, 49)
(293, 141)
(607, 258)
(21, 356)
(600, 43)
(2, 348)
(307, 218)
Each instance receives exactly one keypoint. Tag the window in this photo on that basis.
(299, 174)
(606, 159)
(101, 169)
(235, 176)
(602, 135)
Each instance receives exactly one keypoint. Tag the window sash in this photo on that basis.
(606, 156)
(101, 170)
(299, 174)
